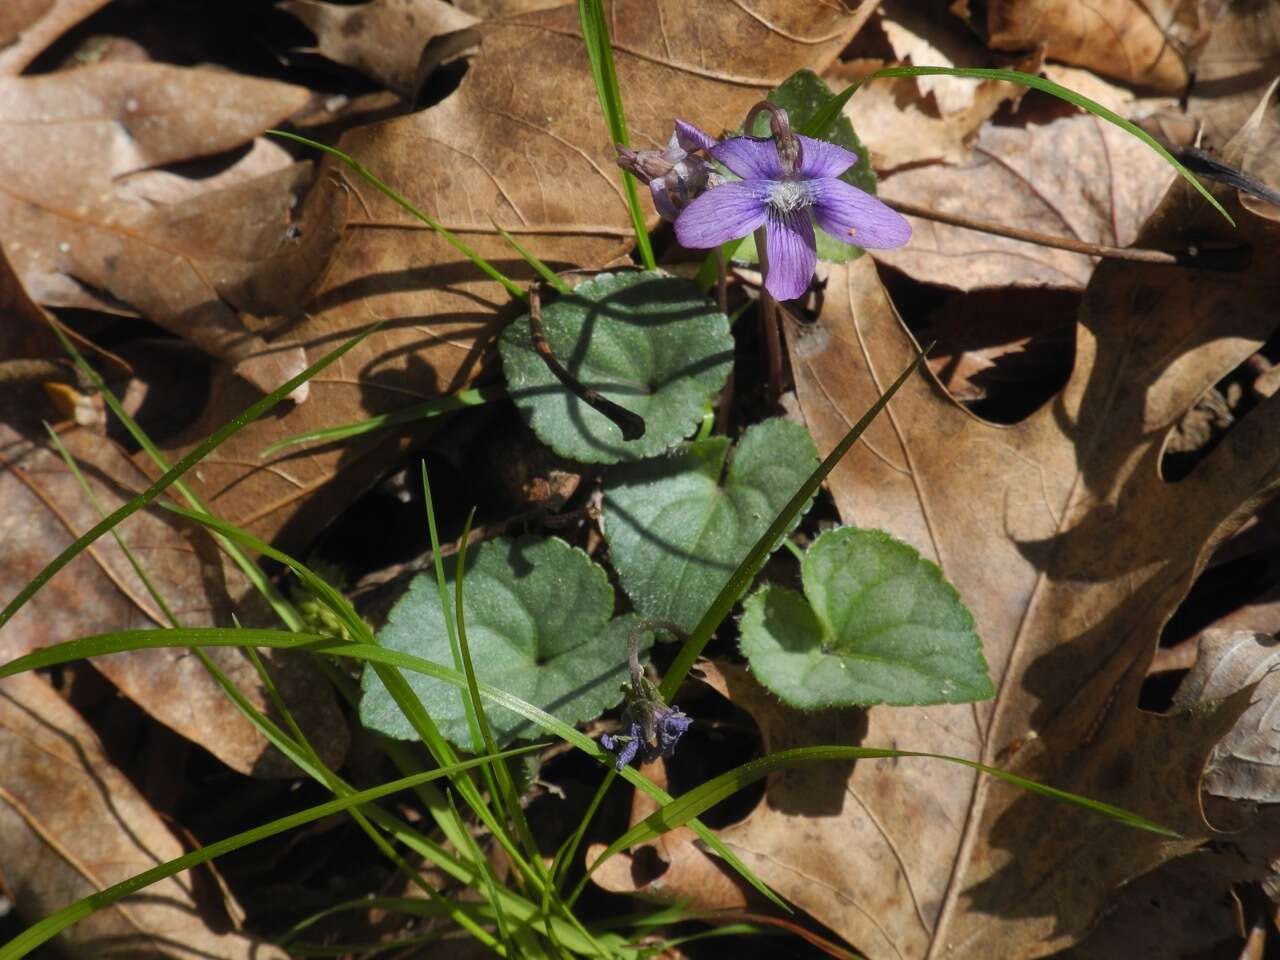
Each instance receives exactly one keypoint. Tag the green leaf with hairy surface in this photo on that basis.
(646, 341)
(677, 530)
(537, 614)
(878, 624)
(802, 95)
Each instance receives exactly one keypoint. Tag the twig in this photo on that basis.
(631, 424)
(1139, 254)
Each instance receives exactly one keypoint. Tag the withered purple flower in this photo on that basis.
(653, 729)
(676, 175)
(788, 182)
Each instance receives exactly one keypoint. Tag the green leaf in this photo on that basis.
(676, 532)
(802, 95)
(878, 624)
(538, 627)
(649, 342)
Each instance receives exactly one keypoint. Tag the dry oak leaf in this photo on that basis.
(1142, 42)
(27, 27)
(43, 508)
(192, 268)
(1246, 764)
(382, 39)
(1077, 177)
(72, 824)
(521, 140)
(1072, 552)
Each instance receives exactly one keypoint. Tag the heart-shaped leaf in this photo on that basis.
(801, 95)
(676, 531)
(537, 620)
(877, 623)
(649, 342)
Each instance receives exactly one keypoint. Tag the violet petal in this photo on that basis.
(822, 159)
(792, 252)
(662, 200)
(852, 216)
(749, 158)
(724, 213)
(691, 138)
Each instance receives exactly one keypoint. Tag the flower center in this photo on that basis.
(788, 196)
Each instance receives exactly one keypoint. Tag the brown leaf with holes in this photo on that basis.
(521, 140)
(193, 268)
(383, 39)
(1146, 43)
(44, 508)
(71, 824)
(1072, 552)
(1077, 177)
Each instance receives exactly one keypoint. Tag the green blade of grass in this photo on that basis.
(211, 443)
(123, 640)
(707, 795)
(483, 265)
(595, 34)
(48, 928)
(438, 406)
(755, 558)
(539, 267)
(831, 109)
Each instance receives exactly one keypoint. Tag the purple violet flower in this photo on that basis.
(786, 199)
(675, 175)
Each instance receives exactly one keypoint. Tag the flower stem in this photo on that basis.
(769, 322)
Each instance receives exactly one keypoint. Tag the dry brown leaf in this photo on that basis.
(27, 27)
(43, 508)
(75, 242)
(1142, 42)
(522, 139)
(1238, 63)
(383, 39)
(495, 9)
(167, 187)
(902, 125)
(71, 824)
(1072, 553)
(1246, 764)
(1076, 177)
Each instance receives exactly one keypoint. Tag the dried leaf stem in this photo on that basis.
(1141, 255)
(631, 424)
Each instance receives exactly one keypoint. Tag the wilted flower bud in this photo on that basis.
(675, 175)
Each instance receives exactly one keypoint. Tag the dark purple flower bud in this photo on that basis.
(653, 728)
(675, 175)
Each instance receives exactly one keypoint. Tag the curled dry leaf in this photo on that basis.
(72, 824)
(522, 140)
(27, 27)
(1142, 42)
(189, 268)
(383, 39)
(1072, 552)
(1246, 764)
(1077, 177)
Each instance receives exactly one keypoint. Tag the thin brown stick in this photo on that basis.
(1041, 239)
(770, 324)
(631, 424)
